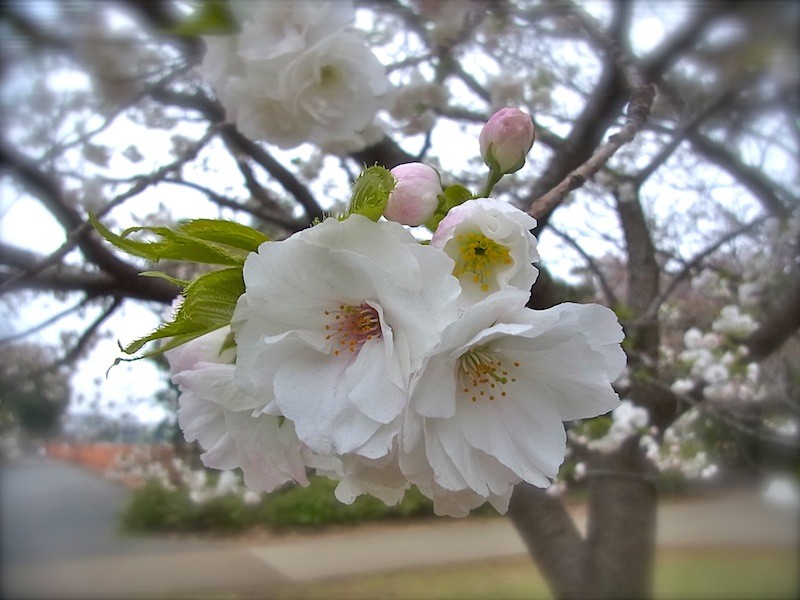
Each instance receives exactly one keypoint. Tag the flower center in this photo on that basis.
(479, 255)
(352, 326)
(329, 76)
(483, 375)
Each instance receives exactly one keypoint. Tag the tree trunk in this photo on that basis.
(616, 558)
(553, 541)
(621, 532)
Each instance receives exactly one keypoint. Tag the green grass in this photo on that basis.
(728, 574)
(722, 573)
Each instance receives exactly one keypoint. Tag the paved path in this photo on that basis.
(170, 568)
(51, 510)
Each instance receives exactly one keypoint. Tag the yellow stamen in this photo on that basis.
(480, 374)
(479, 256)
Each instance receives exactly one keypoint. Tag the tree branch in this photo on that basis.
(65, 278)
(608, 292)
(214, 112)
(753, 179)
(95, 252)
(651, 314)
(642, 96)
(574, 163)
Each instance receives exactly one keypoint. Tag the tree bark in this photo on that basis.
(621, 535)
(552, 539)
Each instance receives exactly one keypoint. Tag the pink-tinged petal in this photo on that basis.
(506, 139)
(415, 196)
(223, 455)
(204, 421)
(269, 450)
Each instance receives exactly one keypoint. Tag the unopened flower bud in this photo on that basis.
(415, 196)
(506, 140)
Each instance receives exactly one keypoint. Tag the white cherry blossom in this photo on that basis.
(297, 72)
(333, 322)
(229, 423)
(492, 246)
(488, 406)
(283, 27)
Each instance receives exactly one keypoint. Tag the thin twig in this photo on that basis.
(642, 96)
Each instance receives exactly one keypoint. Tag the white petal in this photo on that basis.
(204, 421)
(435, 391)
(269, 450)
(307, 392)
(523, 431)
(217, 385)
(482, 472)
(377, 397)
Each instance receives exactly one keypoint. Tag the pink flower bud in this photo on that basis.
(506, 140)
(415, 196)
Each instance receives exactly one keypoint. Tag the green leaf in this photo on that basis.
(224, 232)
(181, 283)
(453, 196)
(212, 17)
(209, 302)
(371, 192)
(206, 241)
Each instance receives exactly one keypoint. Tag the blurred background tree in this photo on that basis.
(691, 232)
(33, 392)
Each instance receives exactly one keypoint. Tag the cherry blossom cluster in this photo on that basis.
(296, 71)
(679, 450)
(362, 353)
(141, 465)
(713, 361)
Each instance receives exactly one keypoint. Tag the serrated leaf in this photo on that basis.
(209, 302)
(205, 241)
(229, 233)
(181, 283)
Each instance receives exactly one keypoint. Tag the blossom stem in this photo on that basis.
(491, 181)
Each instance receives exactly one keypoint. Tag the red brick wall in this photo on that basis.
(101, 456)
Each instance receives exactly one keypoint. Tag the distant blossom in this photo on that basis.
(296, 73)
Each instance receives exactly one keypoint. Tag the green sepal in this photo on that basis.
(452, 196)
(371, 192)
(212, 17)
(209, 302)
(206, 241)
(230, 342)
